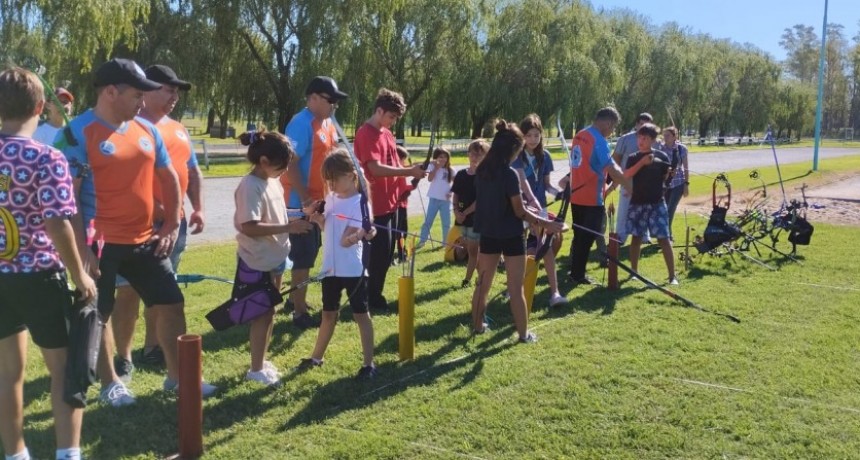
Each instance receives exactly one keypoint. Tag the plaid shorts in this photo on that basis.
(643, 219)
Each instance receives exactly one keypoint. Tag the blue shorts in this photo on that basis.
(175, 256)
(469, 233)
(304, 248)
(643, 219)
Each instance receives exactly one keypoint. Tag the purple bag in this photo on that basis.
(253, 296)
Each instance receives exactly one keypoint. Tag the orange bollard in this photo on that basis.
(613, 256)
(190, 399)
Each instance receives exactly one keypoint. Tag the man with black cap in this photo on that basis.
(313, 136)
(115, 157)
(158, 104)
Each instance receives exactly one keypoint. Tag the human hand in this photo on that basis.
(85, 285)
(299, 226)
(196, 221)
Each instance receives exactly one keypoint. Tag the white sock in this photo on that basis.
(23, 455)
(72, 453)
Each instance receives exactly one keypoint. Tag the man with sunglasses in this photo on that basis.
(313, 136)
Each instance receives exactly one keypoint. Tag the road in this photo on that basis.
(218, 192)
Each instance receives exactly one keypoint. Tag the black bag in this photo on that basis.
(253, 295)
(85, 335)
(801, 232)
(718, 231)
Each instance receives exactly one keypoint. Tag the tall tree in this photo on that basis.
(801, 45)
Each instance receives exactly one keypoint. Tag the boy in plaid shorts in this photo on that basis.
(648, 211)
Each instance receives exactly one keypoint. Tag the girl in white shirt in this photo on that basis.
(343, 251)
(440, 176)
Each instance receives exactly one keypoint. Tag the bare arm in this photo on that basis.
(381, 170)
(296, 182)
(254, 228)
(79, 229)
(195, 195)
(60, 230)
(166, 234)
(526, 188)
(524, 213)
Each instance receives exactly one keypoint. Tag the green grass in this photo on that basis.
(610, 378)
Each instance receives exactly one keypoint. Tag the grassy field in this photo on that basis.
(623, 374)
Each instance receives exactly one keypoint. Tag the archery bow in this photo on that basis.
(565, 198)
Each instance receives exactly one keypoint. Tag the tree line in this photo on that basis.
(459, 63)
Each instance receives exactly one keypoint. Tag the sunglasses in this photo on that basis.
(328, 99)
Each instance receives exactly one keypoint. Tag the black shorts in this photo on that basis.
(304, 248)
(510, 247)
(38, 302)
(151, 276)
(356, 289)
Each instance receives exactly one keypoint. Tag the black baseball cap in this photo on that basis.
(166, 76)
(325, 85)
(123, 72)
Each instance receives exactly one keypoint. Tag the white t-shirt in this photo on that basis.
(338, 260)
(261, 200)
(46, 133)
(440, 187)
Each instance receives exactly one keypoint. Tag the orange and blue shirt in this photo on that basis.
(34, 186)
(117, 190)
(181, 152)
(588, 180)
(313, 139)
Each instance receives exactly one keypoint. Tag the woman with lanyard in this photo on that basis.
(533, 166)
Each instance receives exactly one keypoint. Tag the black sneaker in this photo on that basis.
(465, 283)
(123, 368)
(307, 364)
(585, 280)
(366, 372)
(153, 357)
(304, 321)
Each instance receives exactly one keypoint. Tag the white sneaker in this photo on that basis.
(268, 377)
(117, 395)
(673, 281)
(268, 366)
(206, 389)
(557, 299)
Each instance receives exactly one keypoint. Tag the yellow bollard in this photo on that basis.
(406, 307)
(530, 281)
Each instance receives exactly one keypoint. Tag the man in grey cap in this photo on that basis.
(115, 157)
(313, 136)
(158, 106)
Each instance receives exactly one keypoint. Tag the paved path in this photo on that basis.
(218, 192)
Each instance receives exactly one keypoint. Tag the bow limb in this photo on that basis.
(362, 185)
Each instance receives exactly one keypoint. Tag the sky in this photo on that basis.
(759, 22)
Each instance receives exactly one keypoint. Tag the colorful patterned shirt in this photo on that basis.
(34, 185)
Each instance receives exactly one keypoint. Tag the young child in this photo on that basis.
(463, 197)
(533, 166)
(402, 206)
(342, 260)
(440, 176)
(261, 220)
(648, 212)
(499, 217)
(34, 296)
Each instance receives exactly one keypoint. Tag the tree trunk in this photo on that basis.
(210, 120)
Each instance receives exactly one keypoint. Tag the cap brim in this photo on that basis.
(145, 85)
(339, 95)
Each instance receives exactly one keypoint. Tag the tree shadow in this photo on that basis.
(393, 378)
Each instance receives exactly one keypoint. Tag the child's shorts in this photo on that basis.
(356, 290)
(510, 247)
(643, 219)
